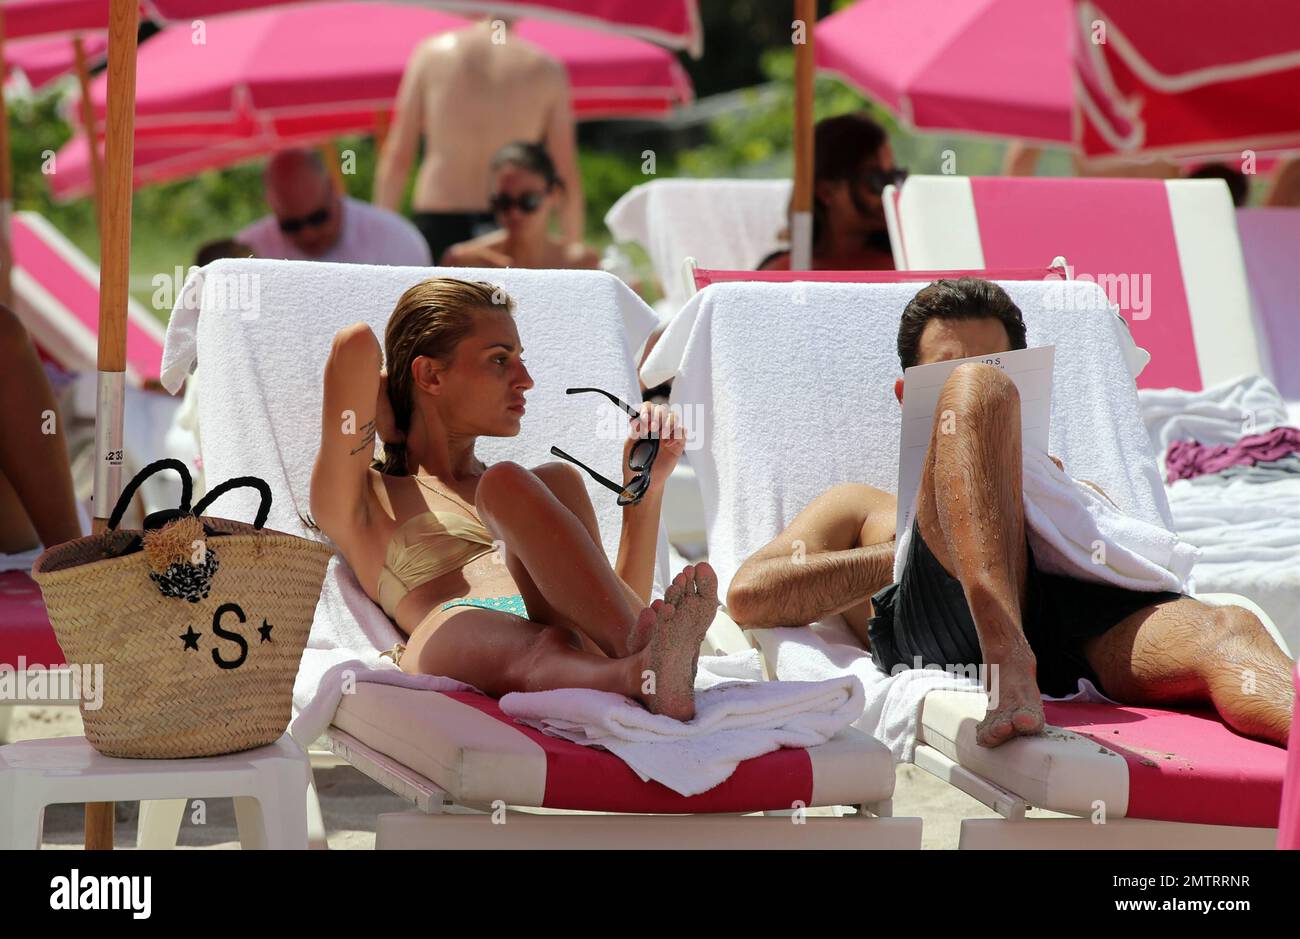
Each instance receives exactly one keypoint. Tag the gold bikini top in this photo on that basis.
(425, 547)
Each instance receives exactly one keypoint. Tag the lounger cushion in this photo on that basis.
(463, 743)
(25, 629)
(1183, 766)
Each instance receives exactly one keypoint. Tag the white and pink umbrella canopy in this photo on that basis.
(1000, 67)
(1166, 76)
(671, 23)
(26, 18)
(326, 69)
(1014, 68)
(43, 60)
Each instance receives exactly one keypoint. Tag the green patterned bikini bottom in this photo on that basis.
(511, 603)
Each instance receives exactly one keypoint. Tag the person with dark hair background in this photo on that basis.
(525, 192)
(852, 165)
(1238, 183)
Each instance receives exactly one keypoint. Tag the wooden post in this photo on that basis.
(805, 11)
(329, 152)
(92, 132)
(114, 279)
(6, 187)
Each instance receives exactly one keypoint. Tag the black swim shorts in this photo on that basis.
(925, 615)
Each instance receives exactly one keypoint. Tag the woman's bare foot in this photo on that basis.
(680, 621)
(1015, 703)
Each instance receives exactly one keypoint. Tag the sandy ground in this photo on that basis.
(351, 802)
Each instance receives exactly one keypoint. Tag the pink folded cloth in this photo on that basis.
(1187, 458)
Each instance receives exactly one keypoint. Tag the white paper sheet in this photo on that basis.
(1030, 369)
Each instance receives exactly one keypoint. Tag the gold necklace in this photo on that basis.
(449, 495)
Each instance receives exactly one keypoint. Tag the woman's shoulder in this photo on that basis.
(576, 255)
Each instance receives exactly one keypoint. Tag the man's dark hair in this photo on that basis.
(1238, 184)
(966, 299)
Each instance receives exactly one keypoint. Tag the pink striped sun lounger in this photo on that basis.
(56, 291)
(1157, 774)
(1165, 251)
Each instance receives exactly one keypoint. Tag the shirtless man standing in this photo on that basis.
(970, 590)
(468, 93)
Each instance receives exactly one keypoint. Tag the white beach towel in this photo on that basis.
(735, 720)
(1076, 531)
(789, 388)
(263, 330)
(725, 224)
(1222, 414)
(1248, 534)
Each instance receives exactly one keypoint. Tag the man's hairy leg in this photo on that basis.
(970, 512)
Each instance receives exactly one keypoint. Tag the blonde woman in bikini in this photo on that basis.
(496, 574)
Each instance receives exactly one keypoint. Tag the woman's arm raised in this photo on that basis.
(347, 438)
(640, 536)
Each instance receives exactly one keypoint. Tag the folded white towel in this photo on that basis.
(725, 224)
(789, 389)
(259, 400)
(1218, 415)
(734, 721)
(1075, 531)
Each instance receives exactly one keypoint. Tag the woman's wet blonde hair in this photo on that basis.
(430, 319)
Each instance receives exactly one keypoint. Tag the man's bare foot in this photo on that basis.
(1015, 703)
(680, 621)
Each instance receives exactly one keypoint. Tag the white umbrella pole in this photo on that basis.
(114, 279)
(801, 209)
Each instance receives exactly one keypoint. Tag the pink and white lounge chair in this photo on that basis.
(441, 748)
(808, 368)
(56, 290)
(1166, 251)
(1270, 242)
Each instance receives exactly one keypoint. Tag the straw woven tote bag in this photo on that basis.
(199, 624)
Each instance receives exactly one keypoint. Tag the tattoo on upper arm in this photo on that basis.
(368, 438)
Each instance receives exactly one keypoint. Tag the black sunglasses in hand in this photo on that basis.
(639, 460)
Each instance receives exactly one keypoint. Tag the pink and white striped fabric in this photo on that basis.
(1165, 251)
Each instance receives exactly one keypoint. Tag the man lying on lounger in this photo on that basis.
(970, 591)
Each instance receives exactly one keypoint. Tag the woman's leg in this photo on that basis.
(499, 653)
(37, 478)
(560, 567)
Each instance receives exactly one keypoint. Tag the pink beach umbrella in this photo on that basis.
(998, 67)
(325, 69)
(43, 60)
(1219, 73)
(671, 23)
(27, 18)
(1166, 76)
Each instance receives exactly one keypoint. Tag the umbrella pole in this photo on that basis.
(92, 133)
(6, 188)
(114, 274)
(801, 207)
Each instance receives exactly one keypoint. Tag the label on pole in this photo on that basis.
(109, 434)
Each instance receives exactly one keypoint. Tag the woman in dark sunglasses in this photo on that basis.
(853, 164)
(497, 574)
(525, 193)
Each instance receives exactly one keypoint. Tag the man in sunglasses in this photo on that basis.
(311, 220)
(852, 166)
